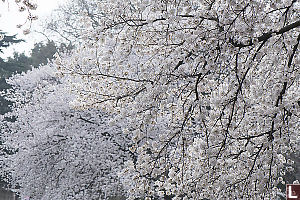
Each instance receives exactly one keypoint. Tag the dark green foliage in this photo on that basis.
(42, 52)
(6, 69)
(8, 40)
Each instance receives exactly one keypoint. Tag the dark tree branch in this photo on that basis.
(265, 36)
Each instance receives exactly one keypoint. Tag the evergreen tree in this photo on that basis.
(6, 69)
(42, 52)
(8, 40)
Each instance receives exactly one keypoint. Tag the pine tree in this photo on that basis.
(6, 69)
(8, 40)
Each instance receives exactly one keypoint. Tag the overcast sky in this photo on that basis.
(10, 18)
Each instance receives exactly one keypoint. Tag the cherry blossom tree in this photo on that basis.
(53, 151)
(208, 90)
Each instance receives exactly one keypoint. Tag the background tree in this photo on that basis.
(6, 69)
(7, 40)
(60, 153)
(41, 53)
(17, 64)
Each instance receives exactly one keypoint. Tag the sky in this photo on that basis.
(11, 17)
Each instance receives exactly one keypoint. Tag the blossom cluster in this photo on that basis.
(53, 151)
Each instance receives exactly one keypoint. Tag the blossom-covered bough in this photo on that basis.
(51, 151)
(208, 90)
